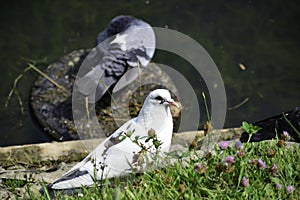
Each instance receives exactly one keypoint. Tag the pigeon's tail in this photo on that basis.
(50, 193)
(74, 179)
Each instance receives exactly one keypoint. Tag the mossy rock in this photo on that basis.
(52, 105)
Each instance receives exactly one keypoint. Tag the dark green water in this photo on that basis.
(263, 35)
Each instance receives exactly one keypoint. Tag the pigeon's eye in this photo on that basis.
(159, 98)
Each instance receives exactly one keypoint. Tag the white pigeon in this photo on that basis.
(125, 45)
(117, 155)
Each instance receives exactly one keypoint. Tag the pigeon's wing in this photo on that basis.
(139, 43)
(110, 67)
(127, 50)
(120, 150)
(113, 157)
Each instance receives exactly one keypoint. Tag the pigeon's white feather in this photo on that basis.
(116, 156)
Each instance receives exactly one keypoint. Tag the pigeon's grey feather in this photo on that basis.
(127, 43)
(117, 155)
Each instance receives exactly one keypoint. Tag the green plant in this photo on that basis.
(250, 129)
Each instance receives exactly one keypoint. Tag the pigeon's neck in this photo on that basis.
(154, 117)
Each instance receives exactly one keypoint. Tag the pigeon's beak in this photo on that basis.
(173, 103)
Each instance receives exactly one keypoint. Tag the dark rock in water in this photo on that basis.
(287, 121)
(47, 100)
(52, 106)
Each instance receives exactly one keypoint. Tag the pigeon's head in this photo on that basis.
(161, 97)
(116, 25)
(156, 112)
(119, 24)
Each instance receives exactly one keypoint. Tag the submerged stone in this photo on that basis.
(52, 106)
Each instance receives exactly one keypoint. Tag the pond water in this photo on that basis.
(263, 36)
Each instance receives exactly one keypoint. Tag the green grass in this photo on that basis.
(215, 180)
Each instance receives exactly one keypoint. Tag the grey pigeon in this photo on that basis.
(118, 155)
(126, 44)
